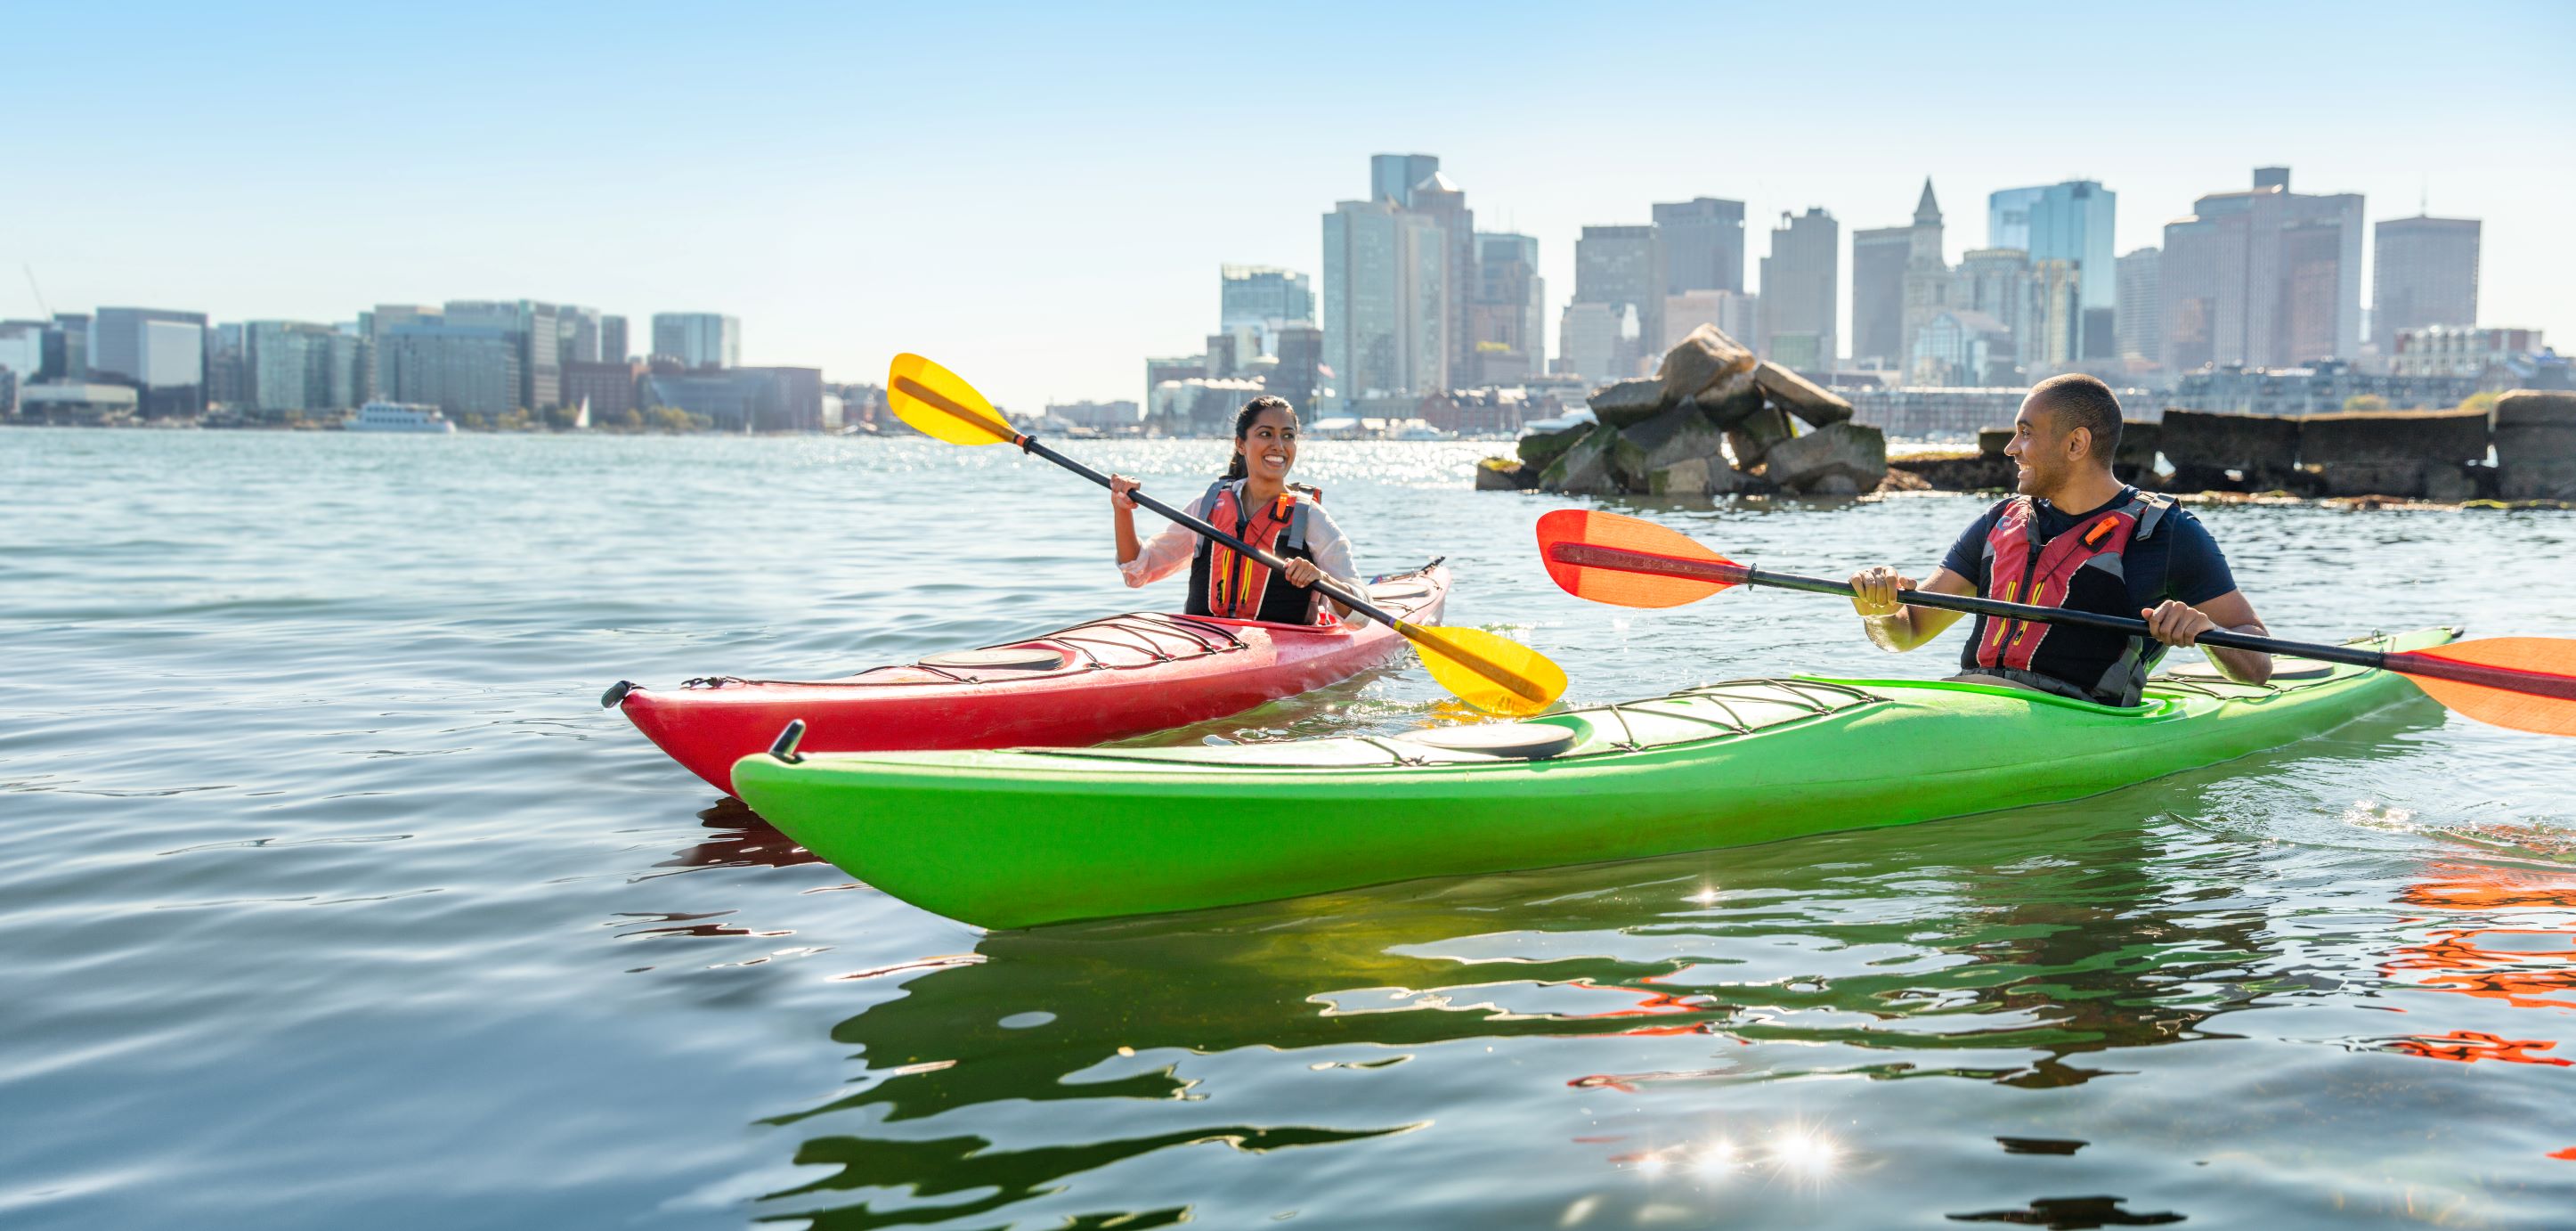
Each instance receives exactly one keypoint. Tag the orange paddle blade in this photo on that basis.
(2526, 683)
(1629, 562)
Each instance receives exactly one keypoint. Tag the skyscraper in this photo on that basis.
(2267, 278)
(1386, 271)
(1623, 267)
(1392, 176)
(162, 353)
(1879, 256)
(698, 339)
(533, 327)
(1799, 291)
(2139, 323)
(2426, 273)
(1263, 295)
(299, 366)
(579, 328)
(612, 340)
(1445, 205)
(1703, 244)
(2067, 223)
(462, 369)
(1506, 322)
(1991, 285)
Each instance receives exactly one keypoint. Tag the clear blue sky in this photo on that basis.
(1039, 195)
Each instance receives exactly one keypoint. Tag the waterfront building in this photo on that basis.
(1800, 300)
(1118, 416)
(22, 349)
(742, 399)
(1386, 282)
(533, 330)
(1920, 413)
(1298, 376)
(578, 327)
(8, 393)
(1256, 301)
(79, 403)
(1445, 205)
(1962, 346)
(1506, 321)
(698, 339)
(228, 372)
(2454, 350)
(161, 352)
(1879, 257)
(2425, 272)
(66, 357)
(2263, 278)
(1703, 244)
(1733, 312)
(461, 369)
(1598, 341)
(1199, 405)
(2008, 217)
(2138, 323)
(1392, 176)
(2315, 389)
(610, 388)
(299, 366)
(612, 340)
(1623, 266)
(374, 325)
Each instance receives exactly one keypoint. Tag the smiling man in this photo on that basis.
(2075, 537)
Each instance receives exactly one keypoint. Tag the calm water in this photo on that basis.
(331, 898)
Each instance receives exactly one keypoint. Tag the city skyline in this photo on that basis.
(1038, 231)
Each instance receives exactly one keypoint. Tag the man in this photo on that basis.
(2075, 537)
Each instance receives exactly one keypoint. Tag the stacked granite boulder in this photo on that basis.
(1715, 421)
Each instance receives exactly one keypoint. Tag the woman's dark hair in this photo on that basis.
(1243, 419)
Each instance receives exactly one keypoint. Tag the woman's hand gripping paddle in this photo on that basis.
(2526, 683)
(1494, 674)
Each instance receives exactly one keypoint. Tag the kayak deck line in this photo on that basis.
(1101, 680)
(1023, 837)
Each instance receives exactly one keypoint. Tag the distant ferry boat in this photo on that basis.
(400, 417)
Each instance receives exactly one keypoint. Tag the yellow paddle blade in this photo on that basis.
(939, 403)
(1495, 674)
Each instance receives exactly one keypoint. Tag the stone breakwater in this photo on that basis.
(1715, 421)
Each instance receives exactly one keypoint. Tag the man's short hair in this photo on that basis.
(2082, 401)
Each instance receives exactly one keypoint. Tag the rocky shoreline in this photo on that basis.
(1717, 421)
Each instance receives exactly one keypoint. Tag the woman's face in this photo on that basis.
(1269, 448)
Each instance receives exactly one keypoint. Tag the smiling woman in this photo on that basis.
(1257, 504)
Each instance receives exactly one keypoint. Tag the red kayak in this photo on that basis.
(1104, 680)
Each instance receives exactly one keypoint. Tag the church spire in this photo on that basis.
(1927, 212)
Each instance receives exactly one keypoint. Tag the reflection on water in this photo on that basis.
(331, 892)
(2037, 950)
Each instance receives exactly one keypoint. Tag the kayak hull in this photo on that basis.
(1018, 838)
(1111, 678)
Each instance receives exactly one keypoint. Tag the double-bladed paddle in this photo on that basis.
(2527, 683)
(1494, 674)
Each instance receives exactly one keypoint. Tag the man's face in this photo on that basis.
(2042, 455)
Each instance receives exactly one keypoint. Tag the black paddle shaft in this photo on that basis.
(1999, 609)
(1729, 573)
(1331, 589)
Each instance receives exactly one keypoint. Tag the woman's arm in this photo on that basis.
(1159, 557)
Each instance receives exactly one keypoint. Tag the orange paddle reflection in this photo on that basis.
(2525, 967)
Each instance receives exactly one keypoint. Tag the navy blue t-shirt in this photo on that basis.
(2179, 561)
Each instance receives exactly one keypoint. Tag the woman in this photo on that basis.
(1255, 503)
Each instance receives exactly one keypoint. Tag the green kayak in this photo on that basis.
(1015, 838)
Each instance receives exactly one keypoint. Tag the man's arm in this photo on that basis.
(2179, 624)
(1896, 626)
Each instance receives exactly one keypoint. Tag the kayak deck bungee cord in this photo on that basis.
(1022, 837)
(1101, 680)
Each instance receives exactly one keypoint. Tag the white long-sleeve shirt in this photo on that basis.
(1169, 552)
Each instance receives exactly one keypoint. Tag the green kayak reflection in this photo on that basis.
(2019, 943)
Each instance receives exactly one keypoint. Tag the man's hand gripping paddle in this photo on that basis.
(1494, 674)
(2526, 683)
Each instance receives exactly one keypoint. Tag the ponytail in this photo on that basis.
(1234, 466)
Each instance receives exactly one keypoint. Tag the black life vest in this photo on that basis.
(1230, 585)
(2082, 569)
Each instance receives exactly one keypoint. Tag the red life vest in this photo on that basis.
(1227, 584)
(2082, 569)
